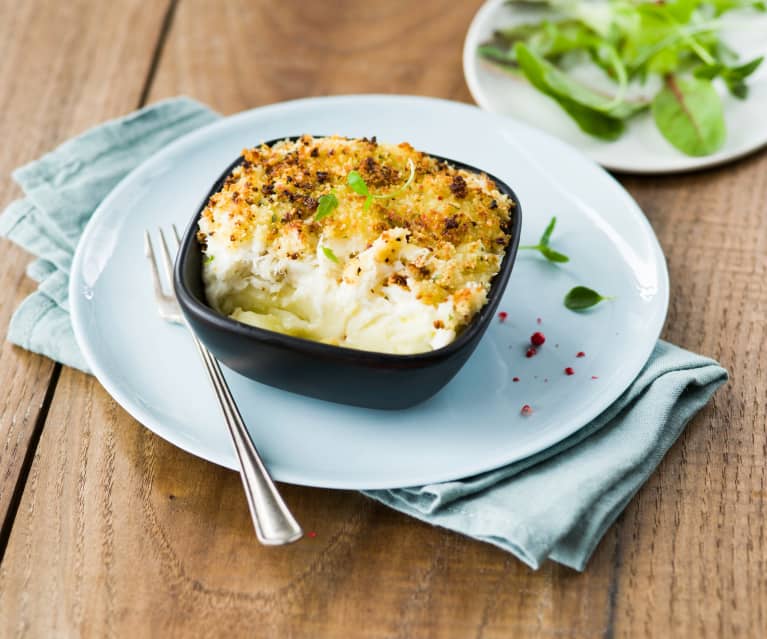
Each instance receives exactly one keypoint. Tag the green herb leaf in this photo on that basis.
(396, 192)
(574, 98)
(357, 183)
(328, 204)
(630, 40)
(557, 84)
(709, 71)
(582, 297)
(553, 256)
(742, 71)
(543, 245)
(329, 254)
(689, 114)
(499, 55)
(209, 259)
(722, 6)
(544, 241)
(734, 76)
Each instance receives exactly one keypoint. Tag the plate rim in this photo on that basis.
(470, 64)
(145, 417)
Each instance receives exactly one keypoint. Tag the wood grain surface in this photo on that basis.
(118, 533)
(63, 67)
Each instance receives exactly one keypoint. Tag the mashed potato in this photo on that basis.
(397, 259)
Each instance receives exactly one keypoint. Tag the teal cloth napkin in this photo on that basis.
(555, 505)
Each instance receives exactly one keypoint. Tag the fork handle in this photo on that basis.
(273, 522)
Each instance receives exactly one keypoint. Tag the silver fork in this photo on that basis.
(273, 521)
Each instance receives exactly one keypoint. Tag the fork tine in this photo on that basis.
(177, 236)
(166, 258)
(149, 251)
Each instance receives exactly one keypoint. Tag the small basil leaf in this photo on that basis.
(582, 297)
(689, 114)
(328, 204)
(357, 183)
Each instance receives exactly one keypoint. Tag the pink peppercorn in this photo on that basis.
(537, 339)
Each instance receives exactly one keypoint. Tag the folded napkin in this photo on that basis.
(556, 504)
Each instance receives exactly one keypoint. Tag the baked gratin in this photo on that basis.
(353, 243)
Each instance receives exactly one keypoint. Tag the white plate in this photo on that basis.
(642, 149)
(474, 424)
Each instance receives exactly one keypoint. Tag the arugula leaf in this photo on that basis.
(328, 204)
(329, 254)
(689, 114)
(581, 297)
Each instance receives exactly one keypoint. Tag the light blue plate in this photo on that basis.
(474, 424)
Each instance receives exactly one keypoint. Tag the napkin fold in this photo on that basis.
(556, 504)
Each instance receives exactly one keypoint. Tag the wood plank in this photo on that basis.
(244, 54)
(63, 67)
(138, 537)
(694, 545)
(142, 538)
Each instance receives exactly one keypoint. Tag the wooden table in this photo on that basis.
(108, 530)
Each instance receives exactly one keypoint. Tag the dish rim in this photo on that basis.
(203, 312)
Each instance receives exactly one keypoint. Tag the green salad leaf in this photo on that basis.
(675, 41)
(689, 114)
(557, 85)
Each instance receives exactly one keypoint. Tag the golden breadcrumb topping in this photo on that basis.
(459, 218)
